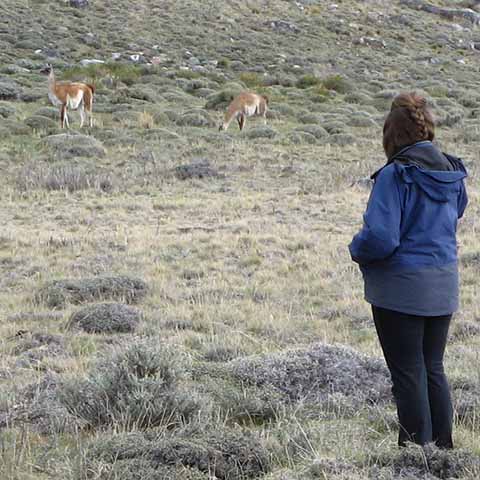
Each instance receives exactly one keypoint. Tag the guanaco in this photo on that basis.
(74, 95)
(247, 104)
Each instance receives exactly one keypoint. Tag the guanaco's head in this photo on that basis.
(47, 69)
(221, 128)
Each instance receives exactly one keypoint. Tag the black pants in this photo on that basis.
(413, 347)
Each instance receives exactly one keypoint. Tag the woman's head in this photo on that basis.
(409, 121)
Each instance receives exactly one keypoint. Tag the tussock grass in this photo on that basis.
(241, 241)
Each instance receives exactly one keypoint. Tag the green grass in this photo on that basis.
(120, 72)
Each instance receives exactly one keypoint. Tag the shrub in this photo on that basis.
(119, 72)
(316, 130)
(316, 373)
(220, 452)
(223, 63)
(65, 145)
(220, 100)
(251, 79)
(136, 387)
(66, 177)
(417, 462)
(337, 83)
(309, 80)
(263, 131)
(106, 318)
(58, 293)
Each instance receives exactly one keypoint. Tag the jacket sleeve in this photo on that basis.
(462, 200)
(380, 235)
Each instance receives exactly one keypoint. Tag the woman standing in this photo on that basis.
(407, 252)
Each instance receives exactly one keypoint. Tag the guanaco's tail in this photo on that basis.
(91, 87)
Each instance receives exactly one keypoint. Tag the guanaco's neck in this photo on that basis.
(51, 80)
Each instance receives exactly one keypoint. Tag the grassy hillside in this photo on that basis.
(178, 302)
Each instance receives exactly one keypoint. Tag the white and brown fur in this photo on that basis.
(70, 95)
(247, 104)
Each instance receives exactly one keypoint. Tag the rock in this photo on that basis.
(91, 61)
(370, 42)
(137, 58)
(79, 3)
(106, 318)
(90, 40)
(160, 59)
(283, 26)
(193, 61)
(65, 146)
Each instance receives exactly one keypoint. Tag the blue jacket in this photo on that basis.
(407, 248)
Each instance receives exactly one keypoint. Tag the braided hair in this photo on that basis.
(409, 121)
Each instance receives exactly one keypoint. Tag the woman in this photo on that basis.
(407, 252)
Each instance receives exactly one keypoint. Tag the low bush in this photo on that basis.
(137, 387)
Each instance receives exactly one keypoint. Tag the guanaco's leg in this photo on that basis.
(82, 114)
(241, 121)
(63, 112)
(89, 108)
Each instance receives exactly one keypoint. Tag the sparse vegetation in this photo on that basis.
(249, 352)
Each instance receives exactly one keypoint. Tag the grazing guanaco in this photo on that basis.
(73, 95)
(247, 104)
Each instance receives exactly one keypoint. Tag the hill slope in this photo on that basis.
(179, 302)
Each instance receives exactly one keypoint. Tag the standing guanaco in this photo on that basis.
(74, 95)
(247, 104)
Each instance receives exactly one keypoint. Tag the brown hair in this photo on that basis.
(409, 121)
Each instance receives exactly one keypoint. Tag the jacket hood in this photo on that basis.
(425, 155)
(439, 186)
(438, 174)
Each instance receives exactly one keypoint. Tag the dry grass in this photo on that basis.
(249, 261)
